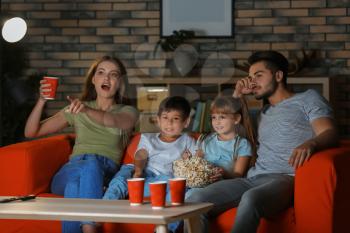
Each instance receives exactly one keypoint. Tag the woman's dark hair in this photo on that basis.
(89, 92)
(273, 60)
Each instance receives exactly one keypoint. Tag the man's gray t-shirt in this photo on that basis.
(285, 126)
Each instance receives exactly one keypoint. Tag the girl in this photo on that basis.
(231, 146)
(102, 124)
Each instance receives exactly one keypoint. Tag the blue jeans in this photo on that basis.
(118, 187)
(259, 196)
(83, 177)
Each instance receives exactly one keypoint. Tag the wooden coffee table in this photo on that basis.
(104, 211)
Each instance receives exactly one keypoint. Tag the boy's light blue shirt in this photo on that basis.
(220, 153)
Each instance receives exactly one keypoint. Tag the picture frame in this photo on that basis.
(207, 18)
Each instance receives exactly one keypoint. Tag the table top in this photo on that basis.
(98, 210)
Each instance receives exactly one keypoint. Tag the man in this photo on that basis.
(291, 128)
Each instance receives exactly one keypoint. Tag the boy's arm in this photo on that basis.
(140, 162)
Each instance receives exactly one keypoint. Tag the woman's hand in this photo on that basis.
(45, 87)
(76, 106)
(218, 174)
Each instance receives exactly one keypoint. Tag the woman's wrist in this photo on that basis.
(41, 100)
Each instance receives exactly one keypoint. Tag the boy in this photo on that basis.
(157, 151)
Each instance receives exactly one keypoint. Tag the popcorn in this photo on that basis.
(195, 169)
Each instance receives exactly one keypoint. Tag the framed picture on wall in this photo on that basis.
(207, 18)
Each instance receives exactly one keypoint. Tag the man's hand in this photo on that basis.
(302, 153)
(326, 136)
(243, 87)
(140, 161)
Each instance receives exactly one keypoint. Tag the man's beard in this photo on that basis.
(271, 89)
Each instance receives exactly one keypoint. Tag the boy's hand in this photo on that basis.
(186, 154)
(302, 154)
(137, 175)
(218, 174)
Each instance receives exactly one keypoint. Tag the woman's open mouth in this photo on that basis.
(105, 87)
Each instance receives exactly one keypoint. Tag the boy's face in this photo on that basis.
(171, 123)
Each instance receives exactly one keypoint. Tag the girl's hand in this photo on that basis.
(199, 153)
(218, 174)
(76, 106)
(186, 154)
(45, 87)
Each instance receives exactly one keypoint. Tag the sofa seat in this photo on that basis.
(321, 202)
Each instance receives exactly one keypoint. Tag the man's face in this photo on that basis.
(263, 81)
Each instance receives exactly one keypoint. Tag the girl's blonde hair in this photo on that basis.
(230, 105)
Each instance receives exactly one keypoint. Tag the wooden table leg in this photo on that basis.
(193, 224)
(161, 229)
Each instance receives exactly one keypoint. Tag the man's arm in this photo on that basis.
(326, 137)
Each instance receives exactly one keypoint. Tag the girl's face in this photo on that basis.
(171, 124)
(224, 124)
(106, 79)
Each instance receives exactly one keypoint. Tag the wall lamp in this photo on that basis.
(14, 29)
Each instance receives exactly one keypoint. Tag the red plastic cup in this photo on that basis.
(158, 192)
(53, 81)
(135, 189)
(177, 190)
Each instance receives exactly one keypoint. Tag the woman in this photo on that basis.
(102, 126)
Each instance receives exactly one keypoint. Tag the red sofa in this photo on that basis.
(322, 189)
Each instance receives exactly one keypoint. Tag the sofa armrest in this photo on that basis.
(130, 150)
(322, 192)
(28, 167)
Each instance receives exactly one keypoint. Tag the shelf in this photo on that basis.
(197, 89)
(323, 81)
